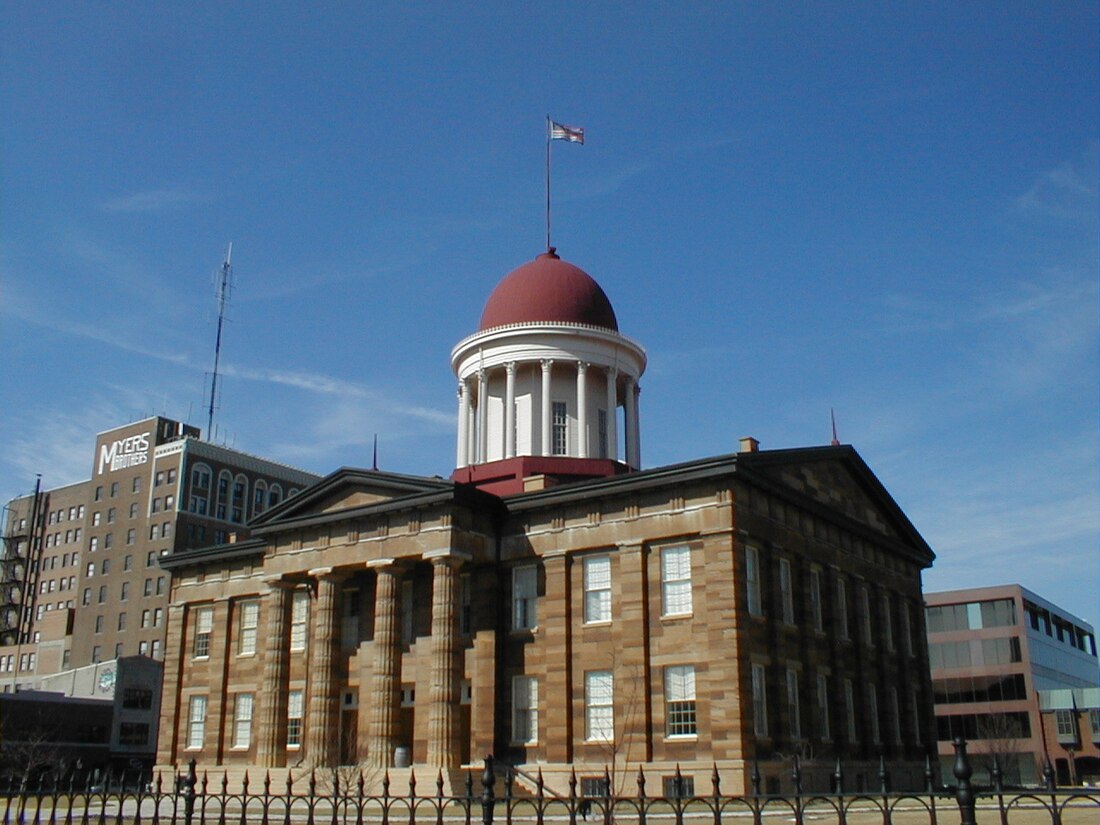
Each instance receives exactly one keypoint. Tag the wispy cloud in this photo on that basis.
(154, 200)
(1067, 191)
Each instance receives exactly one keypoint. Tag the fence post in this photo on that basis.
(488, 778)
(964, 794)
(188, 781)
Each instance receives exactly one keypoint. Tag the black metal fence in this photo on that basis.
(189, 799)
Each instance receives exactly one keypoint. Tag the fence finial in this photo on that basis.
(964, 793)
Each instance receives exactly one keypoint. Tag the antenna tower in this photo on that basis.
(225, 287)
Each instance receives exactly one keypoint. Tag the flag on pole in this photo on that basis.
(559, 131)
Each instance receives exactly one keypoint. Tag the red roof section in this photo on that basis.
(551, 290)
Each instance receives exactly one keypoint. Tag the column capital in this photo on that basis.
(447, 555)
(510, 367)
(612, 372)
(546, 363)
(583, 365)
(322, 572)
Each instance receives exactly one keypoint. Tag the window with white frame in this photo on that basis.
(204, 626)
(1067, 724)
(680, 717)
(850, 710)
(597, 589)
(599, 699)
(872, 713)
(559, 428)
(865, 628)
(759, 701)
(841, 608)
(524, 594)
(525, 710)
(299, 618)
(816, 613)
(676, 581)
(1094, 723)
(794, 716)
(752, 581)
(249, 625)
(242, 720)
(786, 591)
(294, 707)
(196, 722)
(823, 707)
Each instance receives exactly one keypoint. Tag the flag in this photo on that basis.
(559, 131)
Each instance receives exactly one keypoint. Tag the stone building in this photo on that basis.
(555, 604)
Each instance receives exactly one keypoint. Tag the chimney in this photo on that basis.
(749, 444)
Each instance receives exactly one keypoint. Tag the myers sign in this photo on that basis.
(129, 452)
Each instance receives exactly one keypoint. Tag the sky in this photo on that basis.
(886, 210)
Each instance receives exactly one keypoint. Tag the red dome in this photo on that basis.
(551, 290)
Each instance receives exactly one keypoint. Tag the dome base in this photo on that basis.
(526, 473)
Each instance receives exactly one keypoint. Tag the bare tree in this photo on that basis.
(999, 739)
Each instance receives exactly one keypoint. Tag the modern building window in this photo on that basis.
(794, 716)
(823, 707)
(759, 701)
(597, 589)
(299, 619)
(524, 595)
(559, 428)
(816, 613)
(872, 714)
(525, 710)
(294, 707)
(752, 581)
(786, 591)
(680, 717)
(599, 700)
(204, 626)
(196, 722)
(842, 608)
(242, 720)
(676, 581)
(249, 625)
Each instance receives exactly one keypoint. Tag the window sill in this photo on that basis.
(675, 617)
(598, 623)
(682, 737)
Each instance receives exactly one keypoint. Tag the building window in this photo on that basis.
(242, 720)
(156, 505)
(124, 592)
(294, 708)
(887, 623)
(249, 624)
(133, 509)
(148, 587)
(99, 624)
(1067, 724)
(676, 581)
(158, 479)
(156, 649)
(524, 594)
(299, 618)
(823, 707)
(558, 428)
(525, 710)
(239, 487)
(872, 713)
(914, 706)
(907, 629)
(680, 701)
(103, 594)
(111, 515)
(895, 716)
(99, 493)
(114, 489)
(752, 581)
(198, 505)
(86, 596)
(850, 710)
(158, 616)
(759, 701)
(794, 717)
(204, 626)
(786, 591)
(122, 621)
(599, 699)
(865, 616)
(97, 654)
(133, 733)
(597, 589)
(146, 617)
(816, 614)
(200, 478)
(196, 722)
(841, 608)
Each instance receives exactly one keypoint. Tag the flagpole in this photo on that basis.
(548, 183)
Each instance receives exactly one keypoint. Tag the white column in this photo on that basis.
(612, 414)
(482, 417)
(631, 421)
(636, 397)
(582, 410)
(546, 444)
(463, 457)
(510, 409)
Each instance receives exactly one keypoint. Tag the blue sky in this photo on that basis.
(886, 209)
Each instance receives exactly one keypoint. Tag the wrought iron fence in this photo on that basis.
(189, 799)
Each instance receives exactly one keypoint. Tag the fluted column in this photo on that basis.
(271, 744)
(546, 418)
(443, 720)
(582, 409)
(510, 409)
(463, 457)
(482, 417)
(386, 679)
(323, 719)
(612, 414)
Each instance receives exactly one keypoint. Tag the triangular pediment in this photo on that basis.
(350, 489)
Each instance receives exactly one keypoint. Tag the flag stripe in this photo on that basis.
(573, 134)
